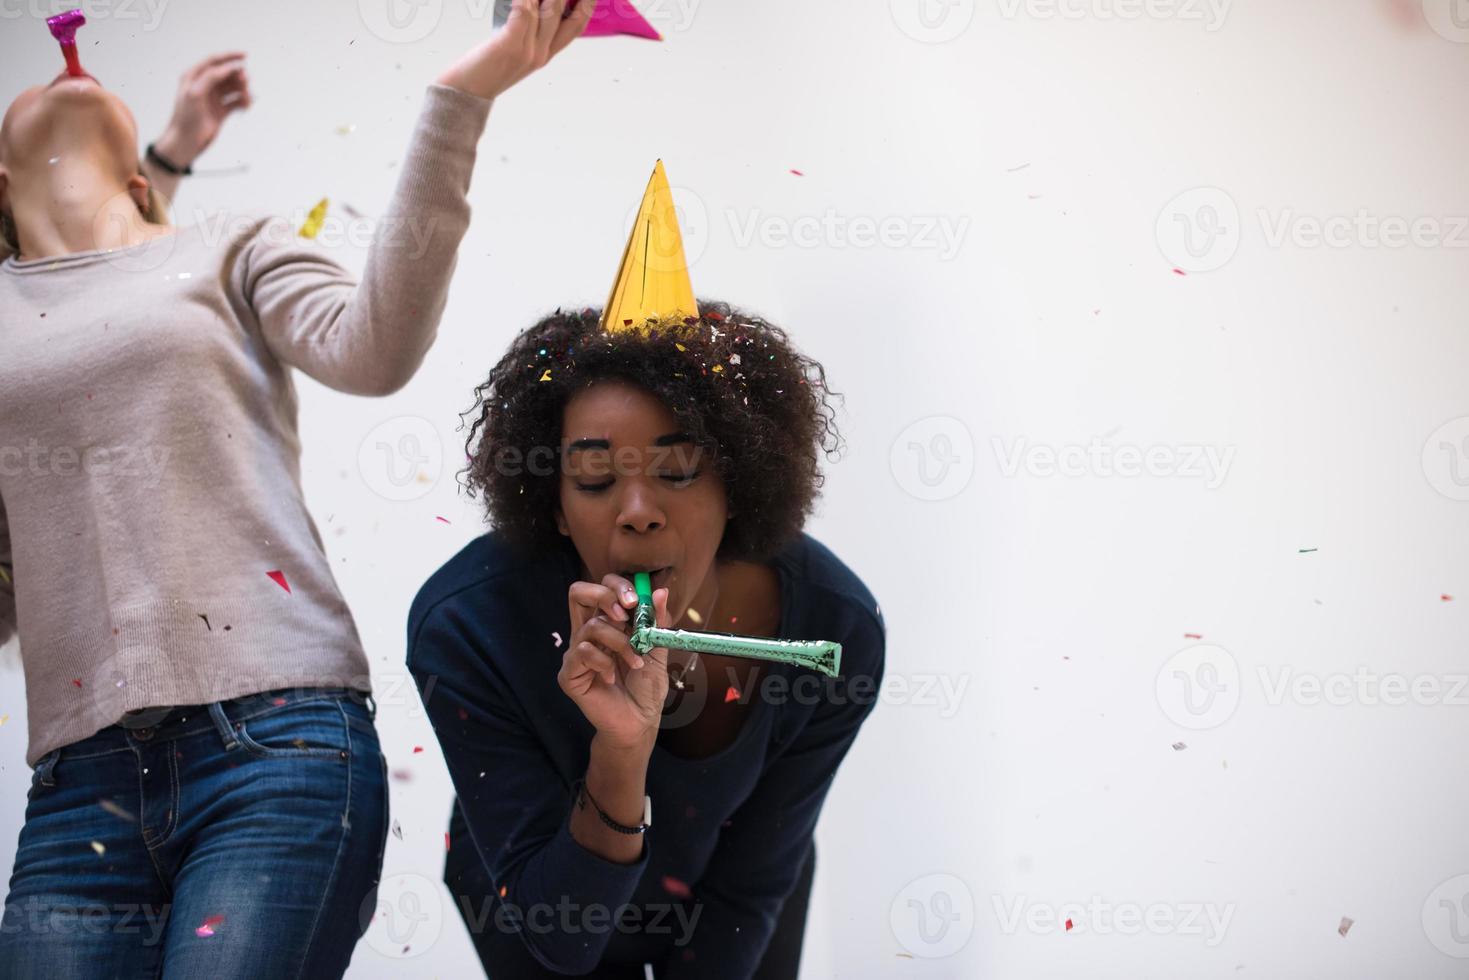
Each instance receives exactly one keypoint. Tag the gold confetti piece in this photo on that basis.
(347, 130)
(547, 375)
(4, 719)
(314, 220)
(693, 614)
(718, 368)
(4, 575)
(99, 847)
(680, 346)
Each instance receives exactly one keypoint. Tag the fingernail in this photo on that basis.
(630, 597)
(640, 663)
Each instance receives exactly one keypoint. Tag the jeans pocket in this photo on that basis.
(314, 728)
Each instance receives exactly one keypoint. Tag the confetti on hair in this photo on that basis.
(676, 888)
(207, 928)
(546, 376)
(1346, 924)
(314, 220)
(733, 694)
(279, 578)
(99, 847)
(116, 810)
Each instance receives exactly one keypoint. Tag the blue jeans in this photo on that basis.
(242, 838)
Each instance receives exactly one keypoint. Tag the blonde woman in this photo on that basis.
(208, 796)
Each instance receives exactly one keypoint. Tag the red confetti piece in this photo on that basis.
(443, 519)
(676, 888)
(278, 702)
(207, 928)
(77, 681)
(1193, 636)
(716, 317)
(798, 173)
(733, 694)
(417, 749)
(446, 840)
(1446, 598)
(279, 578)
(1179, 272)
(1068, 925)
(502, 891)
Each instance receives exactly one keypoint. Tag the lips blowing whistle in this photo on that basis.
(818, 655)
(64, 29)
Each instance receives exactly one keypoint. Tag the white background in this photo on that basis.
(1054, 139)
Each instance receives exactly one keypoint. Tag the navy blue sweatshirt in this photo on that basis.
(729, 833)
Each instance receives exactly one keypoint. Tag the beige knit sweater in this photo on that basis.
(151, 515)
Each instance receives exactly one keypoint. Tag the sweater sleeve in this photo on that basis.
(369, 339)
(517, 807)
(759, 856)
(7, 581)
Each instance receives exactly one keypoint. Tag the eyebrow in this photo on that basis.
(672, 439)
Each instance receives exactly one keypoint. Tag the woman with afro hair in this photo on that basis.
(689, 449)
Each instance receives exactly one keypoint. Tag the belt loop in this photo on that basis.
(46, 767)
(222, 723)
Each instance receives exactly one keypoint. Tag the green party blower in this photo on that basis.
(818, 655)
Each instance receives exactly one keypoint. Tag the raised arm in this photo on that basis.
(208, 93)
(370, 339)
(759, 855)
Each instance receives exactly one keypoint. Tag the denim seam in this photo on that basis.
(142, 811)
(341, 849)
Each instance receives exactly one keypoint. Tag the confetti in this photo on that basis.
(446, 840)
(397, 830)
(676, 888)
(279, 578)
(733, 694)
(546, 376)
(4, 575)
(207, 929)
(1346, 924)
(402, 775)
(693, 614)
(1179, 272)
(347, 130)
(1068, 925)
(1015, 170)
(1446, 598)
(206, 622)
(503, 890)
(278, 702)
(557, 638)
(798, 173)
(314, 220)
(99, 847)
(1179, 746)
(77, 681)
(1305, 551)
(1193, 636)
(443, 520)
(116, 810)
(417, 749)
(4, 719)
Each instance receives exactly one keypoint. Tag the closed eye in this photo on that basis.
(678, 480)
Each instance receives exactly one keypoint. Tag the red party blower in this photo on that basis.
(64, 29)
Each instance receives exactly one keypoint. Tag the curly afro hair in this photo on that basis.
(736, 384)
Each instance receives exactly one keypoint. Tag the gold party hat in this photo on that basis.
(653, 282)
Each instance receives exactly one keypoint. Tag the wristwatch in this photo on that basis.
(582, 796)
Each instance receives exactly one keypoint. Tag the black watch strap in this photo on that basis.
(166, 164)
